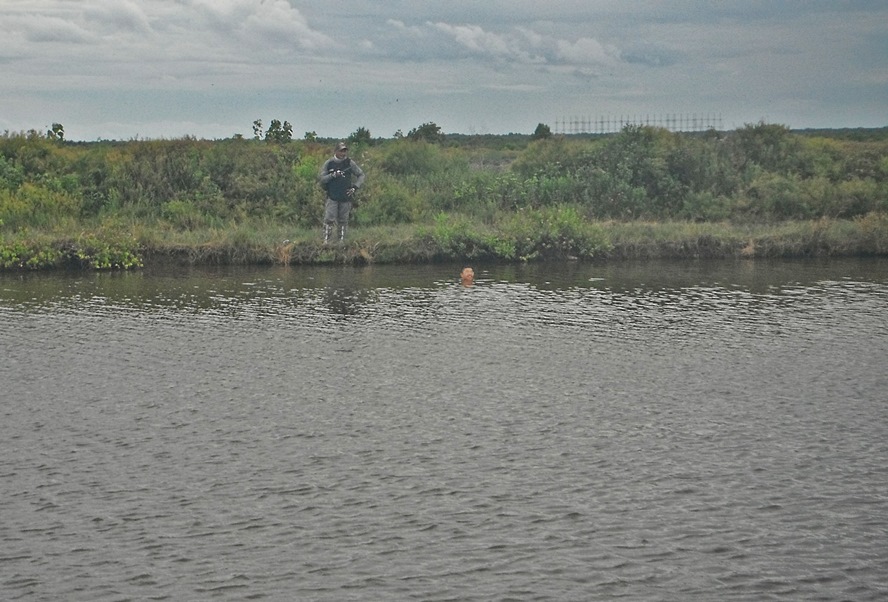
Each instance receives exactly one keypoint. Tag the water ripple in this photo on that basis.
(330, 435)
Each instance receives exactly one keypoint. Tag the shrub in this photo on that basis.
(11, 176)
(99, 254)
(558, 231)
(35, 205)
(482, 193)
(455, 236)
(777, 196)
(386, 200)
(705, 206)
(553, 156)
(771, 146)
(608, 195)
(860, 197)
(29, 255)
(410, 157)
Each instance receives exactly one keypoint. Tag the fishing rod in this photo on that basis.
(338, 173)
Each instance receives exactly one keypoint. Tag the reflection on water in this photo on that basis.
(348, 287)
(652, 430)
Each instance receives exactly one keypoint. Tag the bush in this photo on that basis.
(860, 197)
(35, 205)
(386, 200)
(411, 157)
(554, 232)
(705, 206)
(28, 255)
(554, 157)
(776, 196)
(770, 146)
(482, 193)
(99, 254)
(609, 195)
(11, 176)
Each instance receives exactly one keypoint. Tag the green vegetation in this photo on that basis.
(760, 190)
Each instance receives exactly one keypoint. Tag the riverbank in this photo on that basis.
(758, 191)
(552, 236)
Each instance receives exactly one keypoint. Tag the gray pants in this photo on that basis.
(336, 212)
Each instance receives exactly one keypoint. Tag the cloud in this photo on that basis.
(53, 29)
(488, 44)
(651, 55)
(389, 65)
(157, 29)
(262, 22)
(587, 51)
(116, 16)
(519, 45)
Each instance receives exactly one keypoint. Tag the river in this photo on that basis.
(619, 431)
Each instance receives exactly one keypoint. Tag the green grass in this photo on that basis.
(542, 235)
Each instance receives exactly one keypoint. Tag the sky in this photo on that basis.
(148, 69)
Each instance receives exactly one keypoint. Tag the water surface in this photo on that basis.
(667, 430)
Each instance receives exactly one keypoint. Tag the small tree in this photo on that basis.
(770, 145)
(542, 132)
(257, 129)
(430, 132)
(360, 136)
(279, 132)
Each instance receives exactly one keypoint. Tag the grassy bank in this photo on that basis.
(759, 191)
(546, 235)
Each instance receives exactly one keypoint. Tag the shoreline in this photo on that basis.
(453, 241)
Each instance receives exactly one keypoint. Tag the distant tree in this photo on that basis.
(257, 129)
(279, 132)
(311, 136)
(57, 132)
(360, 136)
(430, 132)
(542, 132)
(769, 145)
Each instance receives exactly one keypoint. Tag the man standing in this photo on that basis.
(340, 177)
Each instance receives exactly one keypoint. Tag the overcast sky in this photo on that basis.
(121, 69)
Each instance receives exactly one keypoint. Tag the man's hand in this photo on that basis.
(351, 191)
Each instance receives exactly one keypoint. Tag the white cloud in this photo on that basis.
(158, 28)
(96, 64)
(403, 28)
(116, 16)
(587, 51)
(481, 42)
(262, 21)
(52, 29)
(519, 45)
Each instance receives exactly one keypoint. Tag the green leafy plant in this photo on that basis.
(99, 254)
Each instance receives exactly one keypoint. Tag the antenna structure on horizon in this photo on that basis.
(609, 124)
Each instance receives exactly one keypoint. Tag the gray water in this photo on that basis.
(652, 431)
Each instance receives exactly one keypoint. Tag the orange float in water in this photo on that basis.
(467, 276)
